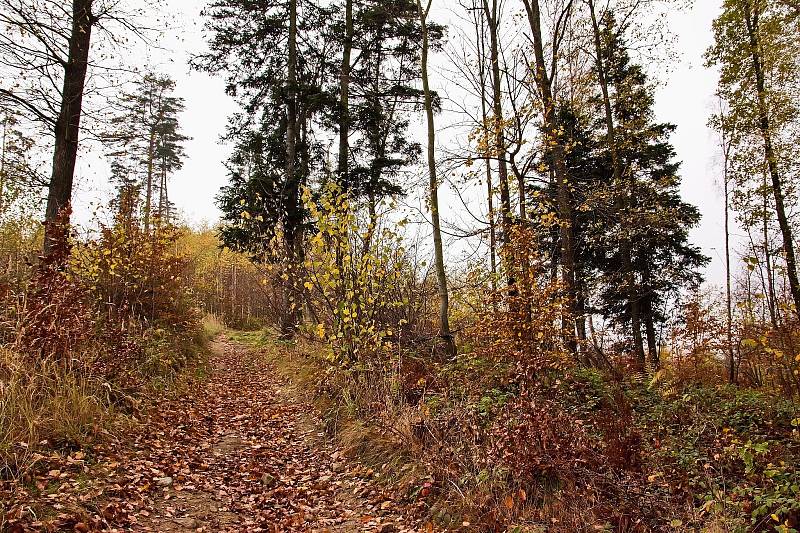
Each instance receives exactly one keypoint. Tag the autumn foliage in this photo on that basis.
(95, 322)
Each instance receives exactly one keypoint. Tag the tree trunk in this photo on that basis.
(166, 200)
(293, 216)
(67, 127)
(564, 197)
(580, 312)
(162, 189)
(481, 47)
(344, 98)
(769, 290)
(492, 228)
(163, 201)
(3, 168)
(728, 298)
(492, 17)
(148, 195)
(752, 21)
(648, 314)
(652, 344)
(441, 277)
(611, 137)
(378, 139)
(291, 102)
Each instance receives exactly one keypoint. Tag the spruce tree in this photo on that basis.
(280, 83)
(383, 93)
(644, 212)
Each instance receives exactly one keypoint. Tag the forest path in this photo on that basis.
(243, 454)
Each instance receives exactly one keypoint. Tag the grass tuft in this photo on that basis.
(44, 404)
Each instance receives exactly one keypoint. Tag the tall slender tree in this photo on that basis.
(543, 74)
(385, 94)
(275, 60)
(628, 279)
(45, 46)
(344, 94)
(67, 126)
(433, 188)
(491, 13)
(756, 48)
(146, 129)
(725, 150)
(480, 48)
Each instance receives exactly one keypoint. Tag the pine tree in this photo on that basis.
(19, 176)
(147, 133)
(280, 83)
(253, 201)
(383, 93)
(169, 159)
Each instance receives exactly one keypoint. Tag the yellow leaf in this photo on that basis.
(509, 502)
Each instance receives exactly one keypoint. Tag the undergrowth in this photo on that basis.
(96, 328)
(590, 453)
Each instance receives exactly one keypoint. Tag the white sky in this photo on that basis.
(685, 98)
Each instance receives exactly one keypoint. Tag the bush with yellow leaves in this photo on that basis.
(355, 275)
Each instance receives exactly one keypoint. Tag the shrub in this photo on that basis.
(353, 277)
(97, 321)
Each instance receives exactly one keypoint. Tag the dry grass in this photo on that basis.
(212, 326)
(43, 405)
(424, 448)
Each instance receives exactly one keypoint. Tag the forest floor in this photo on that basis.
(236, 451)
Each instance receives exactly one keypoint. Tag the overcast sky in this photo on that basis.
(685, 98)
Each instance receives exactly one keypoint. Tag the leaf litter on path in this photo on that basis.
(234, 454)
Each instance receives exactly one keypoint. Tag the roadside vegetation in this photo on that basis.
(463, 240)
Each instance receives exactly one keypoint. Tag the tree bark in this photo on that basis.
(622, 200)
(492, 17)
(163, 200)
(491, 213)
(732, 378)
(441, 277)
(148, 195)
(648, 314)
(3, 167)
(564, 197)
(752, 21)
(292, 226)
(769, 290)
(650, 331)
(67, 127)
(344, 97)
(481, 47)
(291, 102)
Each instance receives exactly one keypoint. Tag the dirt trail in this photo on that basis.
(234, 451)
(244, 455)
